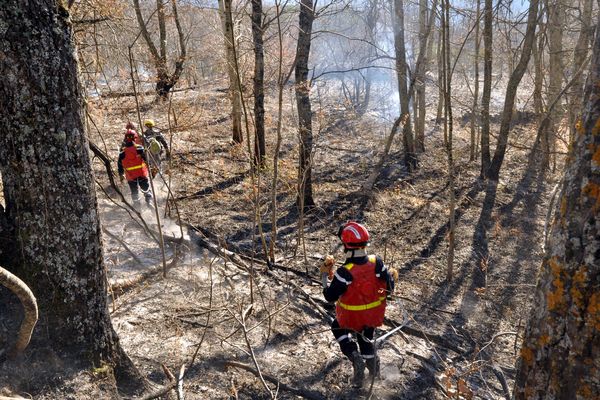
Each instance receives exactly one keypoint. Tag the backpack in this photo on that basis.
(154, 146)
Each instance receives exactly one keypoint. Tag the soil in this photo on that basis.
(222, 313)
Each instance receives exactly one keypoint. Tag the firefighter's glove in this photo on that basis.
(327, 266)
(394, 274)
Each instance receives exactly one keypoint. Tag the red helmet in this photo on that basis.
(353, 235)
(130, 125)
(130, 136)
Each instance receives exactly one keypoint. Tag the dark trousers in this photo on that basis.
(144, 185)
(344, 338)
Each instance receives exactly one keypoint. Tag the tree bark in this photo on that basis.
(559, 358)
(259, 85)
(579, 56)
(305, 192)
(488, 19)
(234, 91)
(410, 157)
(48, 184)
(511, 91)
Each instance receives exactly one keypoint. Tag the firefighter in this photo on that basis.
(132, 165)
(131, 127)
(359, 287)
(155, 144)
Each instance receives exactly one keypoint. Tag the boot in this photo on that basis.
(373, 366)
(358, 364)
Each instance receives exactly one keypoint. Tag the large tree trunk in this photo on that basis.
(560, 354)
(234, 89)
(410, 157)
(511, 91)
(488, 19)
(48, 183)
(307, 16)
(259, 85)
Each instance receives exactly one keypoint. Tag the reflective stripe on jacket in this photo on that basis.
(363, 303)
(134, 164)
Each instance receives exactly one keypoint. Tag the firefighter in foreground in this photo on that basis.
(132, 165)
(360, 287)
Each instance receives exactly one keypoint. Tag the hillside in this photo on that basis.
(211, 316)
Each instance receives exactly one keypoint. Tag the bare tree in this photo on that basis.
(234, 89)
(306, 19)
(165, 80)
(475, 106)
(448, 127)
(259, 83)
(486, 95)
(560, 350)
(420, 103)
(51, 208)
(410, 157)
(511, 91)
(556, 17)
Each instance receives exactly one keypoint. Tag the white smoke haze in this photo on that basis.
(131, 250)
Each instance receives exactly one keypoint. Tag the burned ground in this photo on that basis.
(221, 301)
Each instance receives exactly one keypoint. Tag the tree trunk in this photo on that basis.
(234, 90)
(48, 183)
(511, 91)
(420, 102)
(579, 56)
(307, 16)
(559, 357)
(488, 19)
(448, 132)
(475, 106)
(165, 81)
(410, 158)
(259, 86)
(538, 79)
(440, 63)
(555, 36)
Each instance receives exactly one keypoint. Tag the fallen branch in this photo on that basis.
(180, 383)
(502, 381)
(298, 392)
(30, 310)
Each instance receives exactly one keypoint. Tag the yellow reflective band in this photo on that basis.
(136, 167)
(362, 307)
(349, 266)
